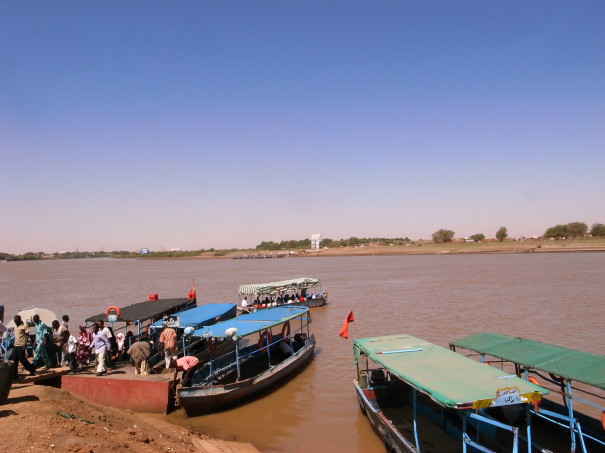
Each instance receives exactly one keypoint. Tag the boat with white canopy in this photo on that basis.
(296, 291)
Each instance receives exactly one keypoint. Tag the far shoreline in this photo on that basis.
(425, 248)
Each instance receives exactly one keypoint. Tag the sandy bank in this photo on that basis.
(55, 420)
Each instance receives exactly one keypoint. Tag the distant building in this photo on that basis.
(144, 251)
(315, 240)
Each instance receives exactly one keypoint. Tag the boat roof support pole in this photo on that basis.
(237, 358)
(512, 429)
(414, 395)
(465, 439)
(269, 351)
(309, 321)
(580, 435)
(528, 427)
(569, 404)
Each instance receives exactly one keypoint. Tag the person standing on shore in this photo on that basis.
(83, 348)
(109, 335)
(42, 340)
(72, 345)
(101, 345)
(19, 348)
(168, 341)
(60, 338)
(65, 323)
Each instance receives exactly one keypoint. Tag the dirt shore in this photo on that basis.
(39, 419)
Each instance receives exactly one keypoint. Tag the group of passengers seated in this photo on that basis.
(296, 343)
(284, 299)
(276, 301)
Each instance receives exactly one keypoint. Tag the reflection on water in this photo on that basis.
(546, 297)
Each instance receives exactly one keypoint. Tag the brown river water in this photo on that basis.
(555, 297)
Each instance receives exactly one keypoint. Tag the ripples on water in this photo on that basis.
(554, 298)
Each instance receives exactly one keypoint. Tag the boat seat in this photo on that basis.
(377, 376)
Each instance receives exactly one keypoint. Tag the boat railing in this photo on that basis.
(574, 396)
(7, 344)
(217, 368)
(569, 417)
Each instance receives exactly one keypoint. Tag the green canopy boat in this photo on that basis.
(560, 367)
(421, 397)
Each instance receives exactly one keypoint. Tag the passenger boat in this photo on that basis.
(257, 364)
(287, 292)
(578, 377)
(46, 316)
(136, 319)
(420, 397)
(185, 323)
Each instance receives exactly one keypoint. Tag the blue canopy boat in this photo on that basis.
(185, 323)
(255, 365)
(579, 377)
(421, 397)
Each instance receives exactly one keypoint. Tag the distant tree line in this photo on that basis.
(161, 253)
(574, 230)
(115, 254)
(30, 256)
(570, 230)
(442, 236)
(329, 243)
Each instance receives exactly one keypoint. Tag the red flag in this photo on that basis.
(192, 294)
(344, 330)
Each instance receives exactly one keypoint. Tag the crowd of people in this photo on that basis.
(94, 346)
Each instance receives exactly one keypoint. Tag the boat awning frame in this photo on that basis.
(146, 310)
(276, 288)
(47, 316)
(198, 316)
(253, 322)
(448, 378)
(560, 362)
(566, 363)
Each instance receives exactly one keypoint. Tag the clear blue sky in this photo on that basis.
(199, 124)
